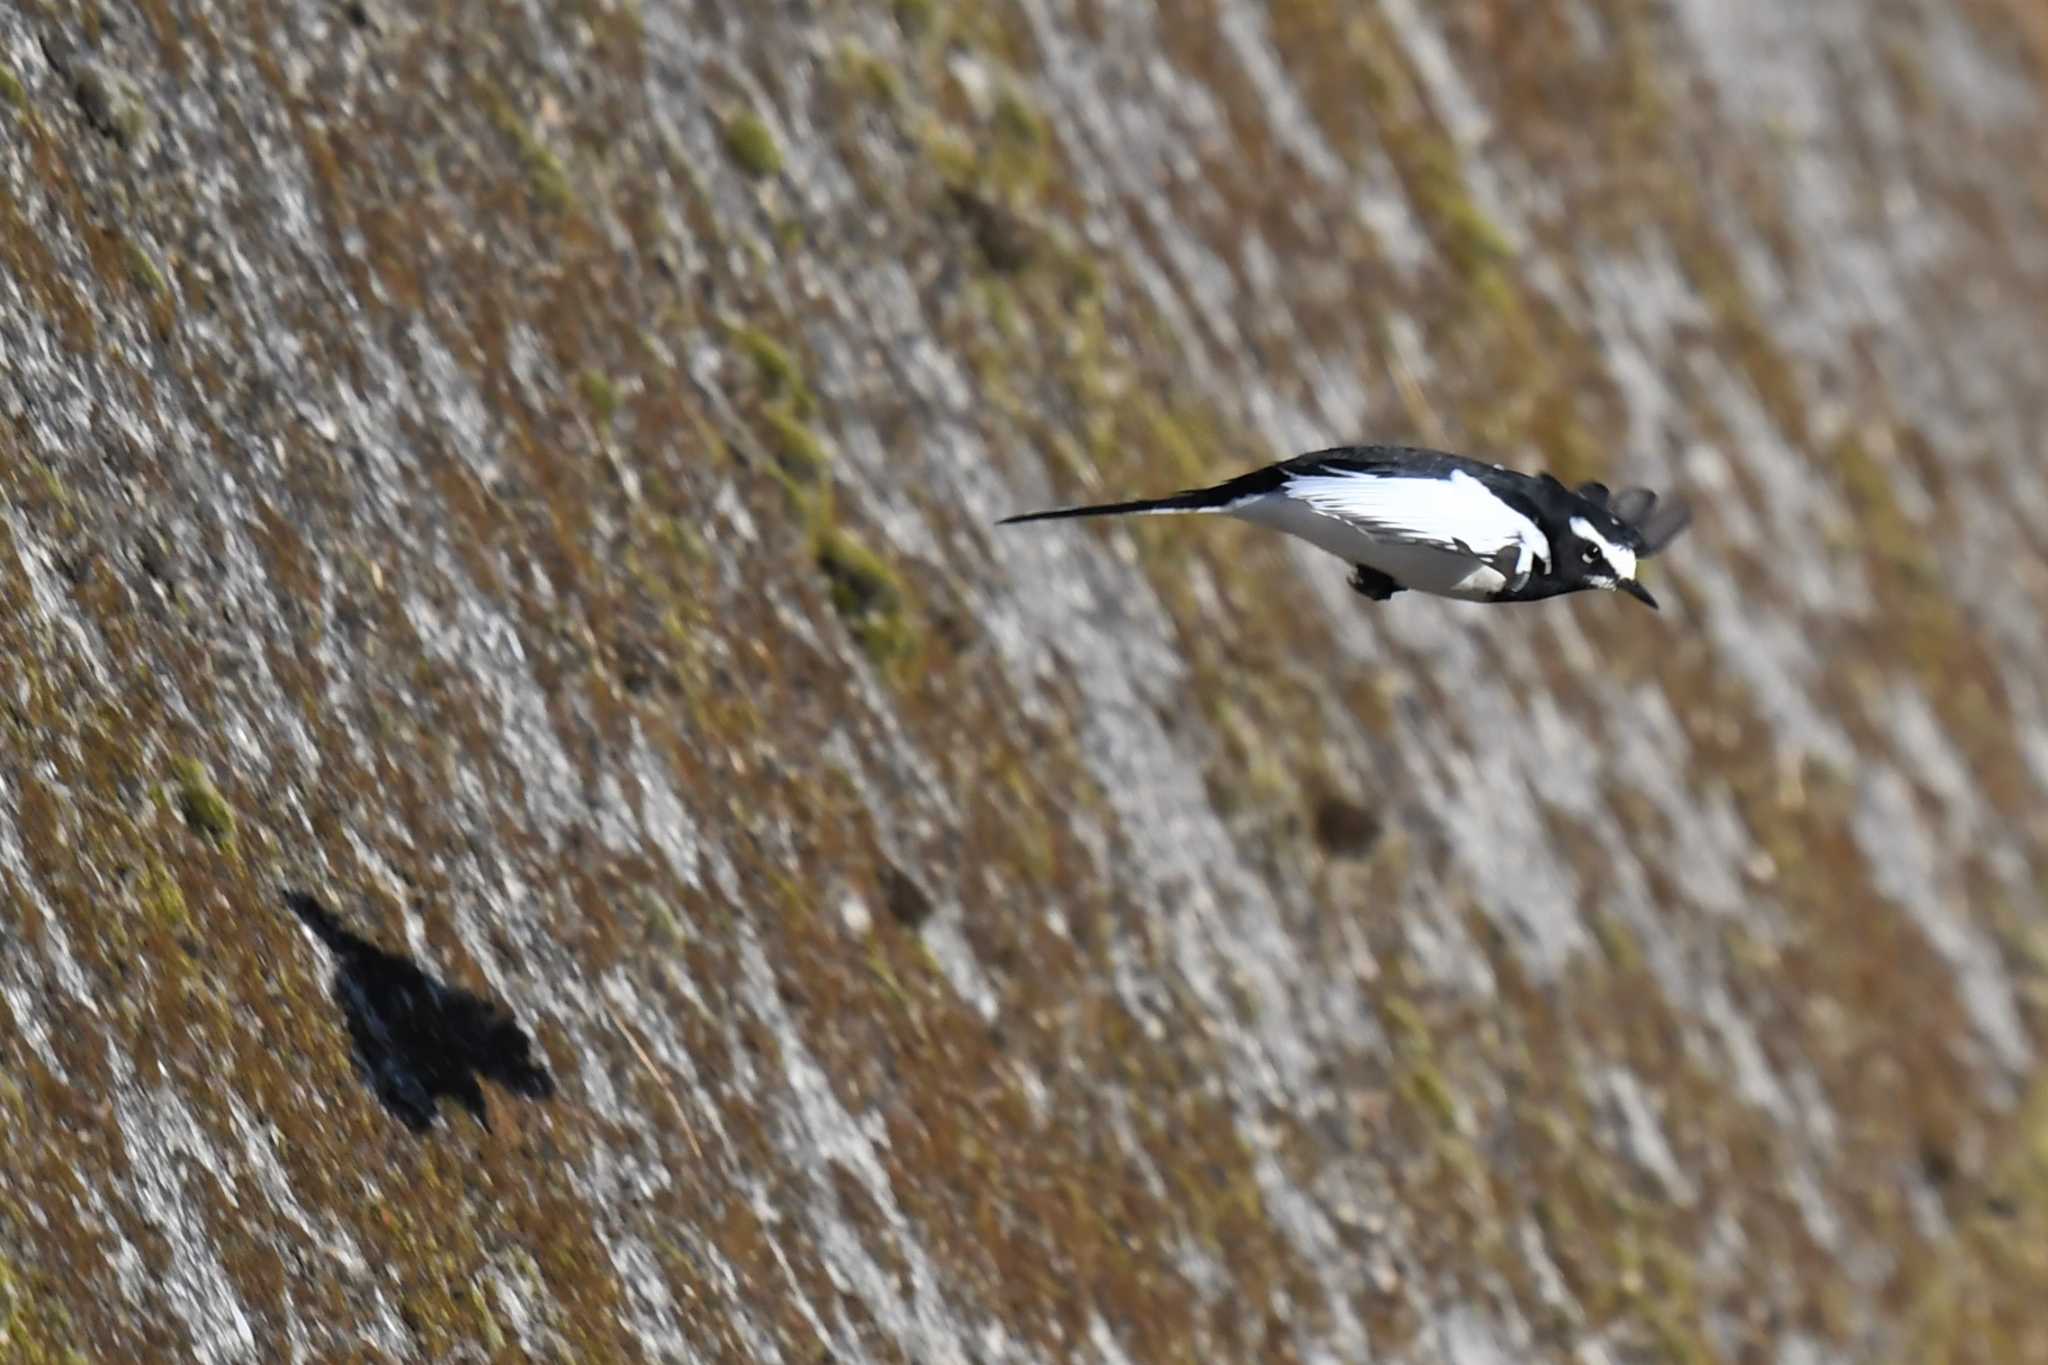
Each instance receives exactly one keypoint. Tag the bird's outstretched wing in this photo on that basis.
(1457, 514)
(1632, 504)
(1657, 521)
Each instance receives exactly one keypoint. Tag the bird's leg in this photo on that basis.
(1371, 583)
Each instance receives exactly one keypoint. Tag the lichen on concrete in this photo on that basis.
(752, 145)
(529, 472)
(199, 801)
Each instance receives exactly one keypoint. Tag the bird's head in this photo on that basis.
(1600, 551)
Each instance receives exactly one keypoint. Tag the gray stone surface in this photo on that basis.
(524, 474)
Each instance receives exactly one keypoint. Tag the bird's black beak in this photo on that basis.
(1637, 591)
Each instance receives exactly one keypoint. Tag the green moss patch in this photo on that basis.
(32, 1328)
(1019, 158)
(870, 75)
(952, 156)
(1016, 121)
(600, 395)
(112, 103)
(751, 145)
(915, 16)
(546, 176)
(776, 369)
(867, 594)
(163, 900)
(204, 809)
(799, 455)
(142, 269)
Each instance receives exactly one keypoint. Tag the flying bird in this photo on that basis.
(1408, 519)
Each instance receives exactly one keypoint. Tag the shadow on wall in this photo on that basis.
(418, 1039)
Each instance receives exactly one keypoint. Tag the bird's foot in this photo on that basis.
(1372, 584)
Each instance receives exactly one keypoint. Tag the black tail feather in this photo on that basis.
(1194, 500)
(1179, 502)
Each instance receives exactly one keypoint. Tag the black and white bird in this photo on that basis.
(1426, 521)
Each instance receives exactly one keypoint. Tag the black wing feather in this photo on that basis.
(1661, 526)
(1632, 505)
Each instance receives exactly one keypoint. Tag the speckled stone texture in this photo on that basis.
(523, 475)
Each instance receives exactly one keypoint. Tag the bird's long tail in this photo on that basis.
(1109, 509)
(1194, 500)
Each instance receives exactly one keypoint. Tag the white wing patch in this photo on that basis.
(1457, 514)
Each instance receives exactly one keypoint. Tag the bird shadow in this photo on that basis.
(418, 1040)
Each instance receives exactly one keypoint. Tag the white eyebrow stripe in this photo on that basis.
(1620, 557)
(1457, 513)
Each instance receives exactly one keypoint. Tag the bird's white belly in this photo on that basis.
(1422, 568)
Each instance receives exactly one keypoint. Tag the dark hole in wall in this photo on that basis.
(906, 901)
(1345, 829)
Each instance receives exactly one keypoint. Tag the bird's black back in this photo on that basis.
(1647, 522)
(1413, 461)
(1538, 497)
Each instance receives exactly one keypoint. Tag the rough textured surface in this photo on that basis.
(523, 473)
